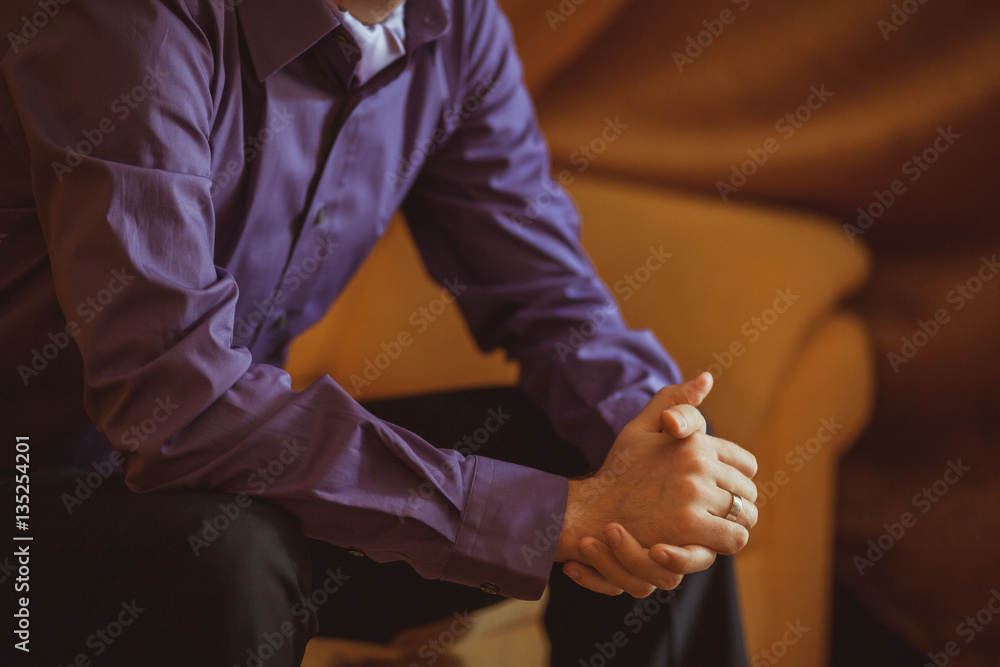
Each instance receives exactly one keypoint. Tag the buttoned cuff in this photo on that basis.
(510, 529)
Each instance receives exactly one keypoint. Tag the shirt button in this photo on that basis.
(356, 552)
(281, 322)
(320, 216)
(492, 589)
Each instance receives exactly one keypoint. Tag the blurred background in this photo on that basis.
(912, 102)
(825, 175)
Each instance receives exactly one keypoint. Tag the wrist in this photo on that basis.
(573, 524)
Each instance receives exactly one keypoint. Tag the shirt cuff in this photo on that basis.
(510, 530)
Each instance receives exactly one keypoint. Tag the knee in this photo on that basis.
(236, 539)
(249, 564)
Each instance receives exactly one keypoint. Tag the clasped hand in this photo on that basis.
(656, 509)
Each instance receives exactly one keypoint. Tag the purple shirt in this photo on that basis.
(185, 186)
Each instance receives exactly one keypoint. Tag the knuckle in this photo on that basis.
(697, 461)
(688, 488)
(700, 462)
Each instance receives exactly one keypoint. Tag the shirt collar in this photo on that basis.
(380, 43)
(278, 32)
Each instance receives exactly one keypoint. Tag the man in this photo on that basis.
(186, 186)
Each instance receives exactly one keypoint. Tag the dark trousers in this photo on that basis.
(118, 578)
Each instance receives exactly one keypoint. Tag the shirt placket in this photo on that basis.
(322, 234)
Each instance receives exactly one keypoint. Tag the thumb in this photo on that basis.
(692, 392)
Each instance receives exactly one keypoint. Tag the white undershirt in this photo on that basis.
(380, 43)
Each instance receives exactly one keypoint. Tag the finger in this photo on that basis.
(736, 456)
(733, 537)
(637, 560)
(748, 510)
(682, 560)
(600, 557)
(681, 421)
(589, 578)
(720, 535)
(692, 392)
(732, 480)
